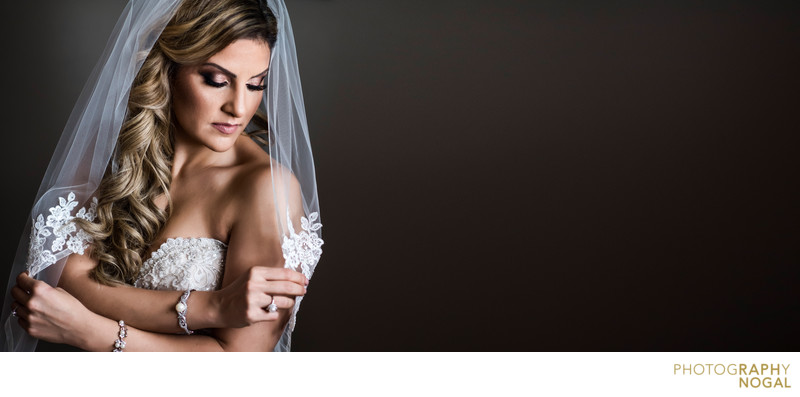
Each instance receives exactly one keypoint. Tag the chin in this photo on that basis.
(224, 144)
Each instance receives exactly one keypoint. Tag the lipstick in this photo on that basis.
(226, 128)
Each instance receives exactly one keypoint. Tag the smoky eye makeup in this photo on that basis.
(214, 79)
(217, 80)
(257, 87)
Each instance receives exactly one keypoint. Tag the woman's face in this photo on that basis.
(213, 101)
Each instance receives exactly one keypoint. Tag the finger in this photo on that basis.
(267, 316)
(20, 295)
(21, 310)
(283, 302)
(275, 273)
(284, 288)
(25, 281)
(272, 306)
(257, 314)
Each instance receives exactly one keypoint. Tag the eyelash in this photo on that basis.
(210, 81)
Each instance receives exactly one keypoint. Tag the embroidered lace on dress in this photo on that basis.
(197, 263)
(184, 263)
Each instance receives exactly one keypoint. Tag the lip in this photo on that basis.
(226, 128)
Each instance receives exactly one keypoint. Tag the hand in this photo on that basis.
(48, 313)
(244, 301)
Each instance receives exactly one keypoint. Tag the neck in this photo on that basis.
(189, 156)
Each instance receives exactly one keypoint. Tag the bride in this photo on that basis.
(182, 194)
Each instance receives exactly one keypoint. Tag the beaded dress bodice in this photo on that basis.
(184, 263)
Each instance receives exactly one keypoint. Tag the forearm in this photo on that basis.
(145, 309)
(100, 333)
(261, 336)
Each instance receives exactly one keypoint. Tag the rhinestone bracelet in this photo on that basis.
(119, 344)
(181, 308)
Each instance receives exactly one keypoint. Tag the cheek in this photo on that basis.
(188, 105)
(253, 104)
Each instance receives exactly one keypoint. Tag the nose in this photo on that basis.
(235, 103)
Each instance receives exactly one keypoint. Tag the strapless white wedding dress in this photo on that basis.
(184, 263)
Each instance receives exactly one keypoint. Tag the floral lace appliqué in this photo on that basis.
(303, 250)
(184, 263)
(59, 229)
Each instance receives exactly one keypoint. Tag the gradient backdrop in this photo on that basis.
(510, 175)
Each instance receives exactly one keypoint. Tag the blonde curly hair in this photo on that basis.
(128, 219)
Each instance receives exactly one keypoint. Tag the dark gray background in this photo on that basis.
(511, 175)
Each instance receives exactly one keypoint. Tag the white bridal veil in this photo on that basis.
(86, 149)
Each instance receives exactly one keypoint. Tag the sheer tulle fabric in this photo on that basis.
(86, 148)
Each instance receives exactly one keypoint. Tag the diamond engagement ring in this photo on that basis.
(272, 306)
(14, 312)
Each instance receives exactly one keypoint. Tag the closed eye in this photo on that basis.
(208, 78)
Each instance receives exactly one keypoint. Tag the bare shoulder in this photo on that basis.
(263, 184)
(260, 192)
(261, 179)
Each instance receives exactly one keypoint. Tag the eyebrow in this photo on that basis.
(229, 73)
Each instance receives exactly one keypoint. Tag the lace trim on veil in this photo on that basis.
(302, 252)
(59, 229)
